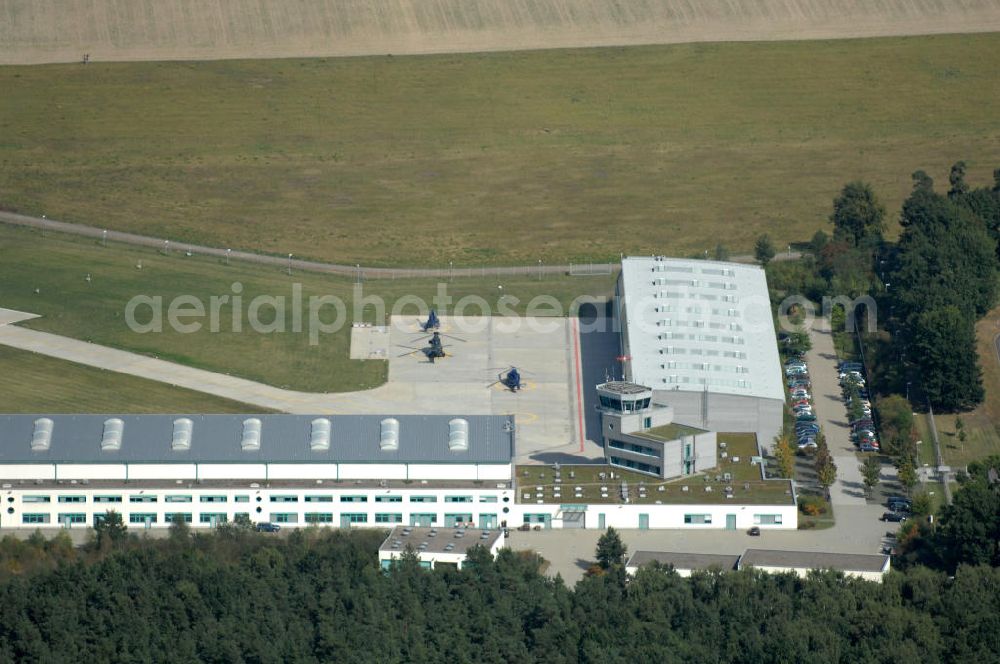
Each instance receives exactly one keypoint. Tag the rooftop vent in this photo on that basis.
(319, 440)
(181, 440)
(112, 439)
(251, 435)
(41, 437)
(458, 435)
(389, 439)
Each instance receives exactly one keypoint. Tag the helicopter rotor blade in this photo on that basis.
(452, 337)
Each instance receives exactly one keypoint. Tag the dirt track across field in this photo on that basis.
(45, 31)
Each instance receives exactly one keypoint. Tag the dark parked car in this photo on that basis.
(895, 517)
(268, 527)
(897, 504)
(754, 532)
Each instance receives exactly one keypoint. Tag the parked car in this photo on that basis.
(805, 417)
(268, 527)
(808, 444)
(897, 504)
(868, 447)
(754, 531)
(894, 517)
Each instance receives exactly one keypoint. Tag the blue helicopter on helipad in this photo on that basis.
(510, 378)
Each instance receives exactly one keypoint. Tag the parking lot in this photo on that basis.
(831, 414)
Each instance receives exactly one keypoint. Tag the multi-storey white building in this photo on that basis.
(63, 470)
(342, 470)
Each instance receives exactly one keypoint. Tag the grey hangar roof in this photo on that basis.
(696, 325)
(844, 562)
(690, 561)
(283, 439)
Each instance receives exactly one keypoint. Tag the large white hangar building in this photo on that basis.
(701, 335)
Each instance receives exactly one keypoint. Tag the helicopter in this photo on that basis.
(432, 322)
(434, 349)
(509, 378)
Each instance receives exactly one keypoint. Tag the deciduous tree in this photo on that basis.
(857, 214)
(871, 469)
(764, 250)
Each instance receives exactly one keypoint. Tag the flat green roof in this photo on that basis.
(583, 484)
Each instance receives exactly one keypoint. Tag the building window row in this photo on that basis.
(34, 518)
(319, 517)
(767, 519)
(698, 519)
(634, 465)
(634, 448)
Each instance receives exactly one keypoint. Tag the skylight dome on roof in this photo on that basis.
(458, 435)
(389, 436)
(183, 428)
(112, 438)
(319, 439)
(41, 437)
(251, 435)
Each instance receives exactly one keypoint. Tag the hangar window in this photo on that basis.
(212, 517)
(319, 517)
(76, 517)
(697, 519)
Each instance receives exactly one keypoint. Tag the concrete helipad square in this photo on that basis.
(369, 342)
(479, 351)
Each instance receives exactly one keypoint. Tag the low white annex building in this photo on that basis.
(871, 567)
(438, 547)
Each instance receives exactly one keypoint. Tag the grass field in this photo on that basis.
(38, 384)
(497, 158)
(57, 266)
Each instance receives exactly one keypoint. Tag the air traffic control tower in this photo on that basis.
(641, 435)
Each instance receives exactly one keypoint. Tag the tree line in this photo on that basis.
(319, 595)
(931, 286)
